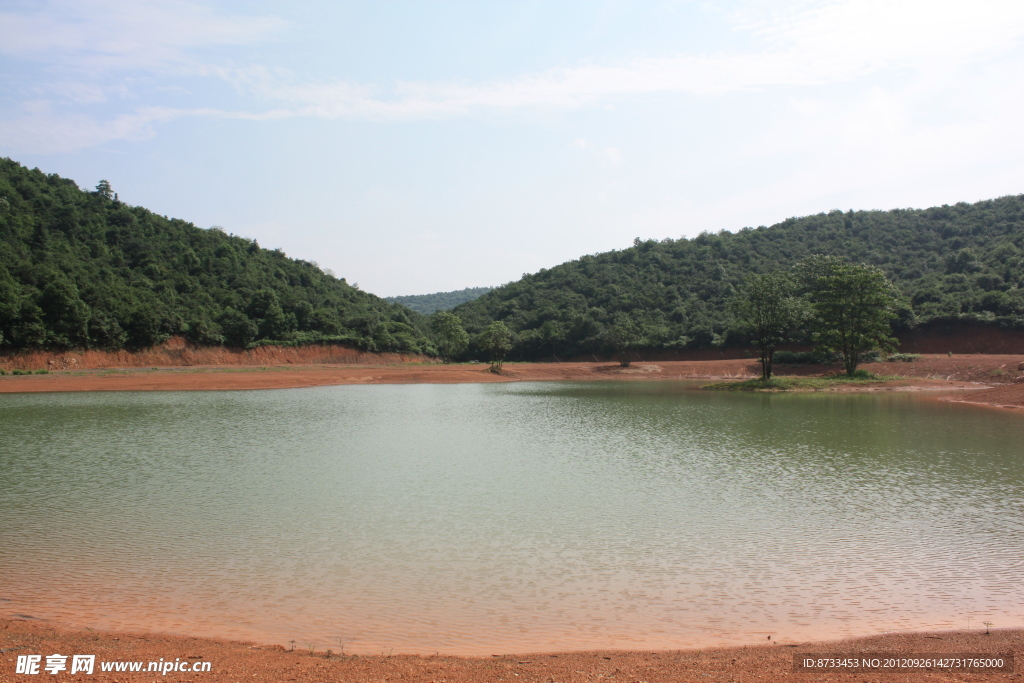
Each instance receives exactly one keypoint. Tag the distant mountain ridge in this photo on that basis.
(439, 301)
(82, 269)
(955, 265)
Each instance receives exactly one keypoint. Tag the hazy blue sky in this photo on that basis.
(422, 146)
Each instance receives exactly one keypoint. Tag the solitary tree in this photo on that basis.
(768, 310)
(625, 336)
(496, 342)
(104, 190)
(451, 339)
(852, 304)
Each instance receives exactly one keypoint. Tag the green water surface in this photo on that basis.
(511, 517)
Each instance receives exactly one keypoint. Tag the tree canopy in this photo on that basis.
(768, 309)
(953, 264)
(439, 301)
(83, 269)
(495, 341)
(625, 336)
(852, 305)
(449, 336)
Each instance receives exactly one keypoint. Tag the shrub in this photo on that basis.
(903, 357)
(42, 372)
(21, 372)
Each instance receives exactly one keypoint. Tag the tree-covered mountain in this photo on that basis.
(439, 301)
(83, 269)
(952, 264)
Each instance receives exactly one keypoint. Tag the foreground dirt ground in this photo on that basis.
(232, 662)
(990, 379)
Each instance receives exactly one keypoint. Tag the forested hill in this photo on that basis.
(957, 264)
(439, 301)
(82, 269)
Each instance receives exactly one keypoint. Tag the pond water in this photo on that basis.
(493, 518)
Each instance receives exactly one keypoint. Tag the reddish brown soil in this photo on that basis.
(232, 662)
(279, 368)
(1003, 396)
(278, 377)
(963, 339)
(177, 352)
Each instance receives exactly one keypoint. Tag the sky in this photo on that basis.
(418, 146)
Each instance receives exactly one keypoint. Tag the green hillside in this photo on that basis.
(83, 269)
(953, 264)
(439, 301)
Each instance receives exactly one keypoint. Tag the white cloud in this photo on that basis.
(862, 35)
(826, 42)
(92, 34)
(805, 44)
(42, 131)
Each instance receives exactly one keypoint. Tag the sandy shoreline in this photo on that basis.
(991, 380)
(234, 661)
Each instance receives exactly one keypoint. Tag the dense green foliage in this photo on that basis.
(625, 337)
(951, 263)
(495, 341)
(768, 310)
(439, 301)
(82, 269)
(852, 306)
(449, 336)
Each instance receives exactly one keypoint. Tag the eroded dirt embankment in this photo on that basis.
(177, 352)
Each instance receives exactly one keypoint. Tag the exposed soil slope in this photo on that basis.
(176, 352)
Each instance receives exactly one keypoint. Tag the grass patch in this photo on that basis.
(799, 383)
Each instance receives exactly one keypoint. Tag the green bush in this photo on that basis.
(21, 372)
(42, 372)
(795, 357)
(903, 357)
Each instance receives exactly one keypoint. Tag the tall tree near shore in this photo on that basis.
(853, 305)
(768, 310)
(449, 335)
(625, 336)
(496, 342)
